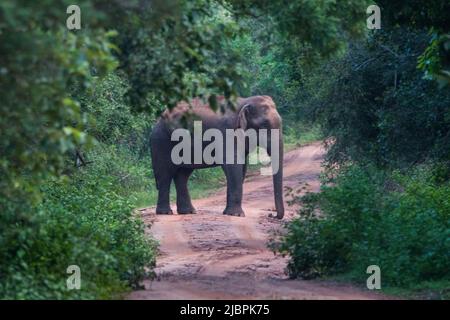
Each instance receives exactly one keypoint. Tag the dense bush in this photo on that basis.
(386, 189)
(377, 107)
(398, 222)
(81, 222)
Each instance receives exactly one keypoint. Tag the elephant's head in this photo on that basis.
(259, 112)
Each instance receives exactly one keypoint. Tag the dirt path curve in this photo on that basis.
(212, 256)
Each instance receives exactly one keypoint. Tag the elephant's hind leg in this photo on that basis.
(184, 204)
(163, 205)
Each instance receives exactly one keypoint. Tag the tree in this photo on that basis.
(431, 16)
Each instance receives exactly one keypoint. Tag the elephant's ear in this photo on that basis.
(242, 117)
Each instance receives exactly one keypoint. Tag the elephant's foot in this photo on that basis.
(234, 211)
(164, 211)
(188, 210)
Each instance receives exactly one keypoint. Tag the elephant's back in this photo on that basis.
(197, 110)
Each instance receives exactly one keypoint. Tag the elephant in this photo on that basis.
(255, 112)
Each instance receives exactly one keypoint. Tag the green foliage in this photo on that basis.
(130, 172)
(269, 71)
(111, 118)
(435, 60)
(415, 14)
(272, 65)
(398, 222)
(387, 130)
(85, 218)
(376, 107)
(80, 222)
(40, 120)
(186, 42)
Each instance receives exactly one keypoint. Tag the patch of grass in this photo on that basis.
(300, 135)
(203, 182)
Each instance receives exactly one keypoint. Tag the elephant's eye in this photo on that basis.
(265, 124)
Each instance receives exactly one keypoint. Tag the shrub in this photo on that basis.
(376, 106)
(399, 223)
(85, 223)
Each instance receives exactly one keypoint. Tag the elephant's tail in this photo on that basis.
(160, 150)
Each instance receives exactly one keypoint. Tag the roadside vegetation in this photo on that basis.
(385, 197)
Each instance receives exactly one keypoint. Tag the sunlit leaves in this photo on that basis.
(435, 59)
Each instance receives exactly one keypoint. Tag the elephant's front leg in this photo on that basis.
(235, 180)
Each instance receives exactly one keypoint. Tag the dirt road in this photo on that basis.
(212, 256)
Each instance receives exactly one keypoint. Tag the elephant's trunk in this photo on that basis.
(278, 180)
